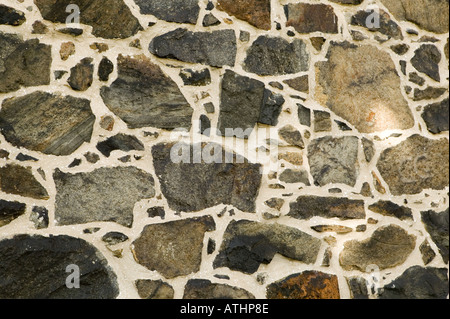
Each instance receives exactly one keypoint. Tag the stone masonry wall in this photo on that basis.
(281, 149)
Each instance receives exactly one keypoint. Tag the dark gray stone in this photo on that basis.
(304, 115)
(436, 116)
(105, 68)
(122, 142)
(10, 211)
(426, 60)
(210, 20)
(436, 224)
(311, 17)
(428, 93)
(388, 208)
(205, 289)
(11, 16)
(205, 125)
(82, 75)
(39, 216)
(322, 121)
(114, 238)
(19, 180)
(368, 148)
(195, 78)
(294, 176)
(154, 289)
(157, 211)
(181, 11)
(386, 25)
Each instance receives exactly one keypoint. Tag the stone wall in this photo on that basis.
(225, 149)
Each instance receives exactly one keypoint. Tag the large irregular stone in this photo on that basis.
(216, 48)
(108, 18)
(306, 285)
(190, 184)
(426, 59)
(388, 247)
(247, 244)
(308, 17)
(415, 164)
(386, 25)
(205, 289)
(35, 267)
(306, 207)
(418, 283)
(243, 103)
(173, 248)
(105, 194)
(48, 123)
(181, 11)
(23, 63)
(361, 85)
(436, 224)
(142, 95)
(11, 16)
(10, 211)
(334, 160)
(276, 56)
(431, 15)
(19, 180)
(388, 208)
(255, 12)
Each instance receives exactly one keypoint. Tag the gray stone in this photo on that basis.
(386, 25)
(216, 48)
(358, 287)
(105, 68)
(39, 216)
(19, 180)
(210, 20)
(334, 160)
(154, 289)
(11, 16)
(304, 115)
(122, 142)
(322, 121)
(48, 123)
(300, 83)
(195, 78)
(349, 2)
(436, 116)
(144, 96)
(368, 148)
(388, 208)
(436, 224)
(10, 211)
(181, 11)
(255, 12)
(82, 75)
(34, 267)
(105, 194)
(205, 289)
(291, 136)
(427, 252)
(428, 93)
(426, 60)
(293, 176)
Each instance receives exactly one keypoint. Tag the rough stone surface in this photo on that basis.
(105, 68)
(305, 285)
(308, 17)
(11, 16)
(143, 95)
(300, 84)
(358, 288)
(247, 244)
(122, 142)
(196, 78)
(388, 208)
(415, 164)
(105, 194)
(48, 123)
(255, 12)
(173, 248)
(436, 116)
(388, 247)
(10, 211)
(426, 60)
(386, 25)
(436, 225)
(361, 85)
(182, 11)
(154, 289)
(81, 75)
(34, 267)
(292, 176)
(205, 289)
(19, 180)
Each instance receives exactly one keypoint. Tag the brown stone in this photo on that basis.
(255, 12)
(307, 18)
(300, 84)
(67, 49)
(154, 289)
(82, 75)
(338, 229)
(19, 180)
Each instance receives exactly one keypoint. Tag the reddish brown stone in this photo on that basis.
(306, 18)
(255, 12)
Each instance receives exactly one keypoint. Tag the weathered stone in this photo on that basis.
(82, 75)
(338, 229)
(358, 287)
(210, 20)
(307, 17)
(291, 136)
(143, 95)
(34, 267)
(39, 216)
(247, 244)
(418, 283)
(189, 185)
(334, 160)
(428, 93)
(276, 56)
(11, 16)
(48, 123)
(173, 248)
(427, 252)
(388, 247)
(195, 78)
(10, 211)
(23, 63)
(436, 116)
(292, 157)
(154, 289)
(181, 11)
(108, 18)
(322, 121)
(426, 60)
(430, 15)
(388, 208)
(271, 108)
(67, 49)
(350, 2)
(368, 148)
(304, 115)
(205, 289)
(385, 25)
(275, 203)
(292, 176)
(114, 238)
(75, 32)
(105, 68)
(400, 48)
(19, 180)
(305, 285)
(436, 224)
(306, 207)
(157, 211)
(361, 85)
(255, 12)
(209, 107)
(205, 125)
(105, 194)
(415, 78)
(216, 48)
(300, 84)
(39, 27)
(415, 164)
(317, 43)
(122, 142)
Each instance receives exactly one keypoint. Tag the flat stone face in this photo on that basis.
(34, 267)
(388, 247)
(109, 18)
(121, 142)
(247, 244)
(216, 48)
(418, 283)
(181, 11)
(105, 194)
(23, 63)
(276, 56)
(11, 16)
(173, 248)
(19, 180)
(430, 15)
(255, 12)
(334, 160)
(306, 207)
(386, 25)
(10, 211)
(426, 60)
(361, 85)
(436, 225)
(307, 18)
(305, 285)
(193, 186)
(205, 289)
(48, 123)
(143, 95)
(415, 164)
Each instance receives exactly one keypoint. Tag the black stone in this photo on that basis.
(436, 224)
(122, 142)
(181, 11)
(10, 211)
(23, 158)
(157, 211)
(75, 162)
(75, 32)
(358, 288)
(105, 68)
(195, 78)
(11, 16)
(436, 116)
(113, 238)
(205, 289)
(426, 60)
(387, 26)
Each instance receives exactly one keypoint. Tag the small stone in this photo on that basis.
(361, 228)
(19, 180)
(357, 35)
(436, 116)
(210, 20)
(92, 157)
(244, 36)
(209, 107)
(400, 48)
(24, 158)
(59, 74)
(205, 289)
(415, 78)
(306, 207)
(114, 238)
(338, 229)
(39, 28)
(426, 60)
(306, 285)
(304, 115)
(205, 125)
(388, 208)
(82, 75)
(136, 43)
(335, 190)
(427, 252)
(157, 211)
(75, 162)
(327, 255)
(436, 224)
(348, 2)
(358, 287)
(255, 12)
(99, 47)
(211, 246)
(292, 176)
(322, 121)
(181, 11)
(122, 142)
(275, 203)
(291, 136)
(4, 154)
(300, 84)
(10, 211)
(195, 78)
(428, 93)
(11, 16)
(378, 184)
(368, 148)
(154, 289)
(107, 123)
(308, 18)
(105, 68)
(39, 216)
